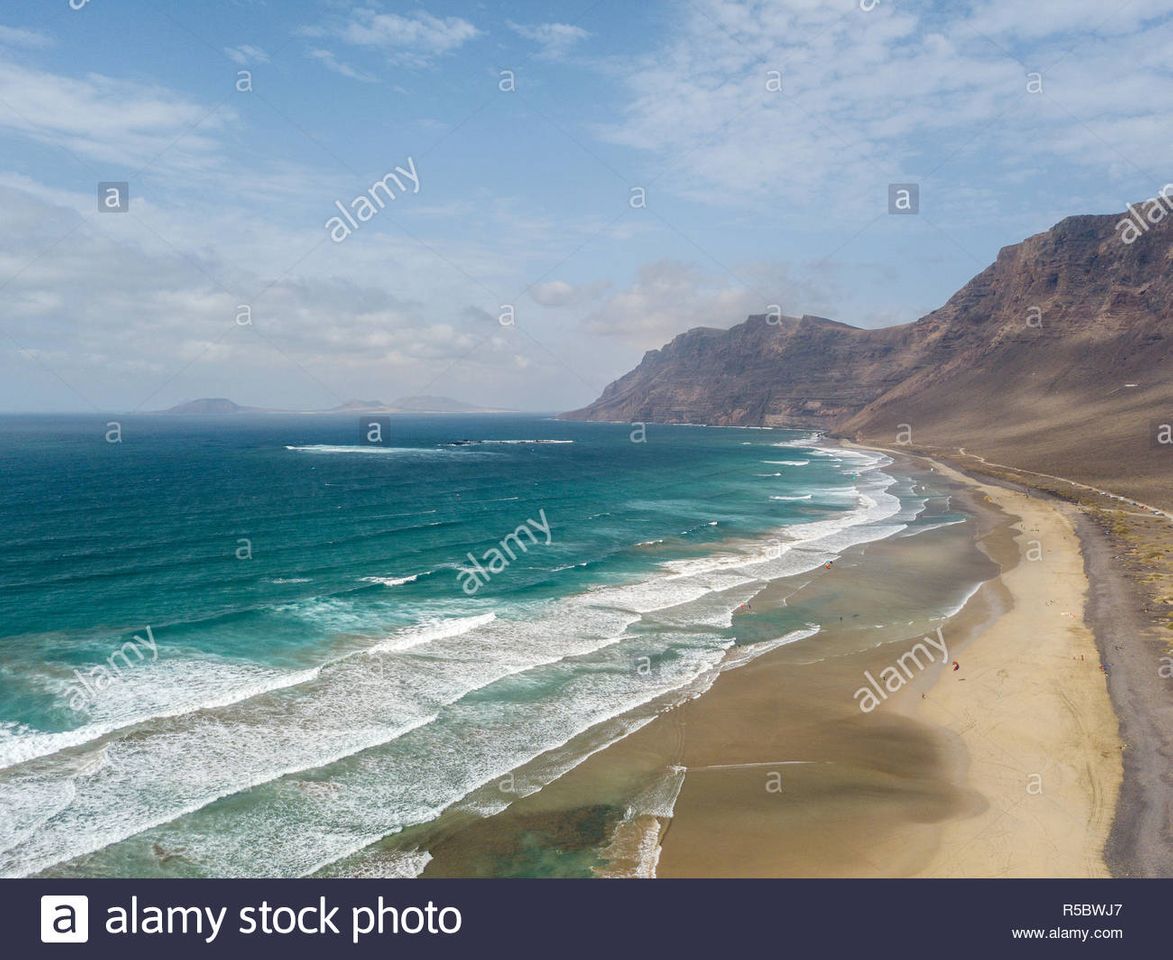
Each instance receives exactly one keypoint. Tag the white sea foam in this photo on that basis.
(648, 595)
(636, 839)
(926, 527)
(406, 727)
(353, 704)
(568, 566)
(464, 746)
(801, 547)
(742, 654)
(473, 744)
(715, 609)
(960, 605)
(386, 864)
(658, 801)
(392, 581)
(800, 496)
(161, 690)
(554, 763)
(805, 441)
(431, 632)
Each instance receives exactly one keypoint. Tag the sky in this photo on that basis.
(587, 180)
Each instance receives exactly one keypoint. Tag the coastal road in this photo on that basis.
(1074, 483)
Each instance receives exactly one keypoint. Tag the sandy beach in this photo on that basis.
(1009, 765)
(1031, 707)
(1027, 764)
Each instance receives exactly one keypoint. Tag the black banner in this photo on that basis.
(524, 918)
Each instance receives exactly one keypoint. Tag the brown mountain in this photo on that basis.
(1055, 358)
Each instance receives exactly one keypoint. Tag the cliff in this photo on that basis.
(1056, 357)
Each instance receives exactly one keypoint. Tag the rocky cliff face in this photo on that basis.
(805, 372)
(1056, 356)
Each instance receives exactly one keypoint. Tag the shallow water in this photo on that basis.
(318, 662)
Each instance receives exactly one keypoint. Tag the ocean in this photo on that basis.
(257, 646)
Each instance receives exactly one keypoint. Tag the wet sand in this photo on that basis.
(1026, 737)
(1008, 766)
(886, 781)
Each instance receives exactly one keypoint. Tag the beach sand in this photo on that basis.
(1031, 706)
(1025, 736)
(1008, 766)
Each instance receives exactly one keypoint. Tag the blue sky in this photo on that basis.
(754, 195)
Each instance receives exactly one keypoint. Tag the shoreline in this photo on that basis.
(1008, 719)
(1034, 714)
(1119, 611)
(1124, 593)
(608, 789)
(1008, 767)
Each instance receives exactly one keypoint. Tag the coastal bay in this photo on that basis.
(1008, 765)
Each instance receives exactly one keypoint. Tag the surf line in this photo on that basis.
(84, 690)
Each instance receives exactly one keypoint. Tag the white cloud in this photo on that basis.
(19, 37)
(870, 98)
(559, 293)
(667, 297)
(412, 40)
(108, 120)
(331, 62)
(141, 310)
(670, 296)
(555, 39)
(1042, 19)
(246, 54)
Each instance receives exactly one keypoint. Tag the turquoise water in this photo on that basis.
(317, 673)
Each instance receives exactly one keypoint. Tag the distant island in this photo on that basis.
(223, 407)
